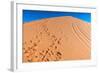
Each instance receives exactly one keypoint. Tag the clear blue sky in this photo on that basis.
(32, 15)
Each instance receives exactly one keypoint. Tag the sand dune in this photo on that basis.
(54, 39)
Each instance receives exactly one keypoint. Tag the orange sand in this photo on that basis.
(54, 39)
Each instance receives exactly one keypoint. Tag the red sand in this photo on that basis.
(54, 39)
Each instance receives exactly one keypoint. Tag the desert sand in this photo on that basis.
(56, 39)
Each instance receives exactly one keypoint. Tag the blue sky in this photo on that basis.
(33, 15)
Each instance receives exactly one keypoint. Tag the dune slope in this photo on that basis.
(54, 39)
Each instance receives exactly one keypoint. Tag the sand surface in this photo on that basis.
(56, 39)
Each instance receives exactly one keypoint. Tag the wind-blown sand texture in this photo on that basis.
(56, 39)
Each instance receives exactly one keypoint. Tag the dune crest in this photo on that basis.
(58, 38)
